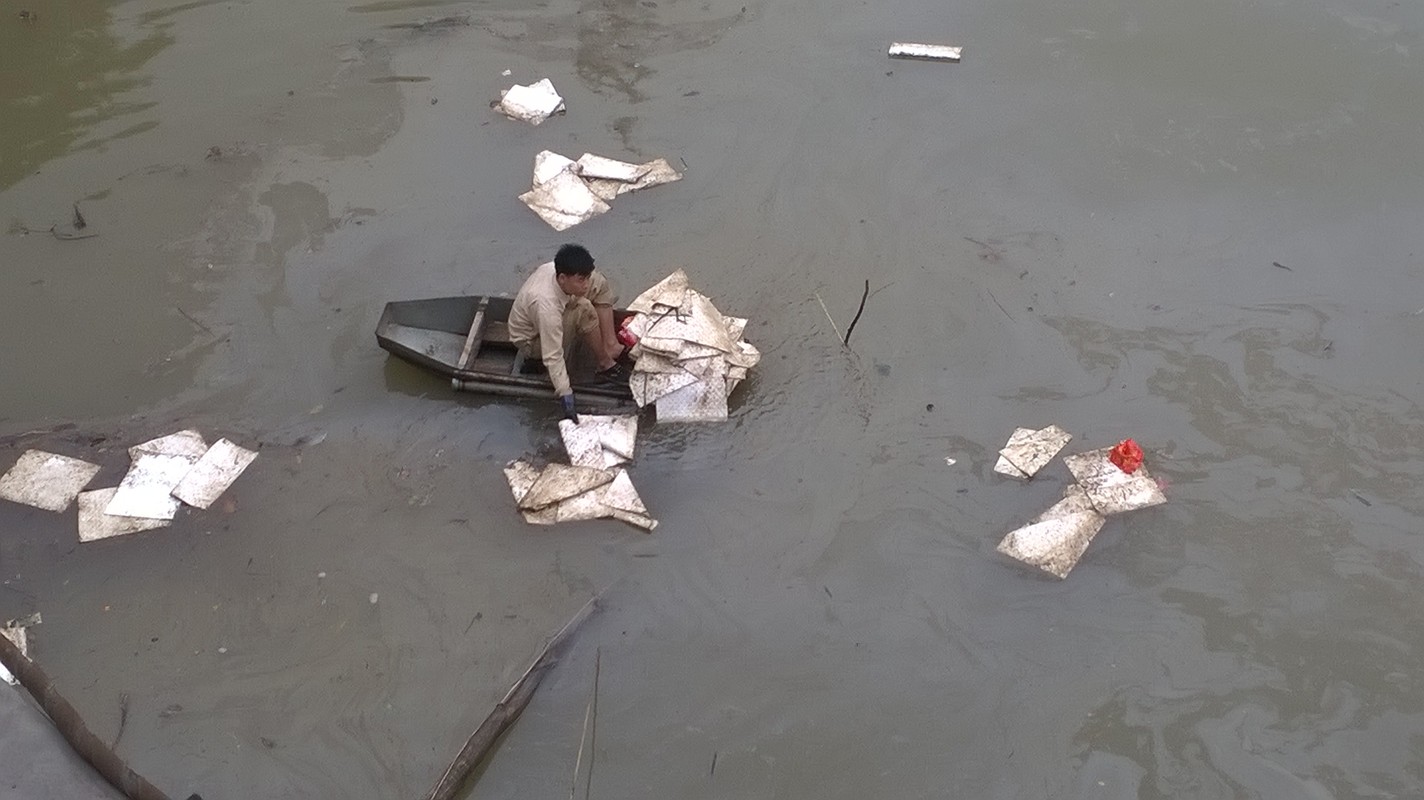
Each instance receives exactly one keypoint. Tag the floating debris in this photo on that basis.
(599, 441)
(1058, 537)
(17, 631)
(46, 480)
(925, 52)
(1111, 490)
(565, 192)
(1028, 451)
(532, 104)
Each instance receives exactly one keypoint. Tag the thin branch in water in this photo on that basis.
(863, 297)
(593, 732)
(1000, 305)
(828, 316)
(578, 762)
(123, 719)
(189, 317)
(54, 231)
(883, 288)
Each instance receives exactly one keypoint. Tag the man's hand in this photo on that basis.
(567, 401)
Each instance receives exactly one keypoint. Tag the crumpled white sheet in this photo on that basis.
(567, 192)
(565, 493)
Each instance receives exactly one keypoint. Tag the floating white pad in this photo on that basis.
(213, 474)
(94, 524)
(1058, 537)
(46, 480)
(146, 490)
(1027, 451)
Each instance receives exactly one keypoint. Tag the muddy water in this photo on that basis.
(1189, 223)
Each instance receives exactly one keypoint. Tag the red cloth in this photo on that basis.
(625, 336)
(1126, 455)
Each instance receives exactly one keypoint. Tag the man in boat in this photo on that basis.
(565, 302)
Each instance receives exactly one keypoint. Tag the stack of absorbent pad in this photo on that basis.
(689, 357)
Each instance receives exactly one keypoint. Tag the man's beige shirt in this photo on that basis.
(539, 311)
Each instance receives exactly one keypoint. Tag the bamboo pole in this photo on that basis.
(506, 711)
(67, 721)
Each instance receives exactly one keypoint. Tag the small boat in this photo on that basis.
(466, 339)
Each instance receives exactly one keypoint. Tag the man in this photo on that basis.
(563, 303)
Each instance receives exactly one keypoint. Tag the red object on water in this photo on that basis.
(1126, 455)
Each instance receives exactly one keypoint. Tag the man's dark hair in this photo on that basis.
(573, 259)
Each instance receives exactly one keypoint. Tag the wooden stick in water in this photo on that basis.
(506, 711)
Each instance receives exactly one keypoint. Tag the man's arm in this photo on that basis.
(551, 343)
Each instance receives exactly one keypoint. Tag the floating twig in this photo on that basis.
(828, 317)
(54, 231)
(189, 317)
(863, 297)
(573, 784)
(70, 237)
(1282, 266)
(991, 252)
(123, 719)
(713, 771)
(882, 288)
(79, 223)
(593, 730)
(1000, 305)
